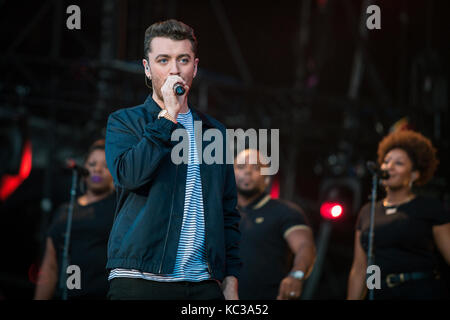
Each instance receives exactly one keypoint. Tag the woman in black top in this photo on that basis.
(408, 229)
(92, 220)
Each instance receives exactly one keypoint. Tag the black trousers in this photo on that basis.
(141, 289)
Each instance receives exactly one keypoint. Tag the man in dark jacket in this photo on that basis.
(176, 231)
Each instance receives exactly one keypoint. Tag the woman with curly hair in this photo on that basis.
(408, 228)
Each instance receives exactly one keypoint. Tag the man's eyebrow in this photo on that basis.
(184, 55)
(168, 56)
(162, 56)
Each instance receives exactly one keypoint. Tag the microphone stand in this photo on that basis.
(370, 255)
(65, 258)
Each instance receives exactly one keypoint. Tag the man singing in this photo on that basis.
(176, 232)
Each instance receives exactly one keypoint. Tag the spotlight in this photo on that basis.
(331, 210)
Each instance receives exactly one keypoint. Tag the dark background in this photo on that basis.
(284, 65)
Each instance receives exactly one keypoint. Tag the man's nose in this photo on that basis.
(174, 69)
(247, 169)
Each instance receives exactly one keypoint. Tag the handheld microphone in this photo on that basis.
(82, 171)
(375, 169)
(178, 89)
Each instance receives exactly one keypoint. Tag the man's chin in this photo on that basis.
(247, 193)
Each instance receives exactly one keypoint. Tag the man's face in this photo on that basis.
(170, 57)
(249, 180)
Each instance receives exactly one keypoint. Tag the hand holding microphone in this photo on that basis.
(178, 89)
(176, 84)
(174, 94)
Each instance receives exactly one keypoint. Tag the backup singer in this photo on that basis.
(92, 220)
(408, 228)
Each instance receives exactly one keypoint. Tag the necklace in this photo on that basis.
(392, 207)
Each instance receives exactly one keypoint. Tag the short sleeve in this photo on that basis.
(293, 218)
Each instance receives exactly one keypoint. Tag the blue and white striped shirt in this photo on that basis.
(190, 263)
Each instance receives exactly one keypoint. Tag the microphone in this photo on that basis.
(178, 89)
(82, 171)
(375, 169)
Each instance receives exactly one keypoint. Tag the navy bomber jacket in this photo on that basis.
(150, 195)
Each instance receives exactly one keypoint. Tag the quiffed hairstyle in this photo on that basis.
(419, 149)
(172, 29)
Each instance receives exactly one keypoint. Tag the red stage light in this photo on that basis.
(331, 210)
(9, 183)
(275, 189)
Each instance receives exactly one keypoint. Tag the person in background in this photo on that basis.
(409, 229)
(277, 245)
(92, 219)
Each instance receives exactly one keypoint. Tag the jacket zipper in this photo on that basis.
(206, 242)
(206, 247)
(170, 219)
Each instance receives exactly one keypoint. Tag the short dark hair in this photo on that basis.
(419, 149)
(172, 29)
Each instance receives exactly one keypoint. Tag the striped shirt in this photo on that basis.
(190, 263)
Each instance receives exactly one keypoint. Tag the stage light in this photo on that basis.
(331, 210)
(336, 210)
(275, 188)
(345, 192)
(9, 183)
(15, 153)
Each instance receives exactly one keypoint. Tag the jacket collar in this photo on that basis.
(154, 110)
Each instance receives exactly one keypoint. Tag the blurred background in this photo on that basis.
(309, 68)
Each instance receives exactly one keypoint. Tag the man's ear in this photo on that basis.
(146, 65)
(196, 66)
